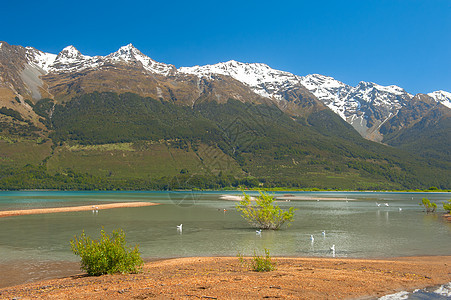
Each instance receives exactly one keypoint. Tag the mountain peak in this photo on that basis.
(70, 52)
(128, 46)
(442, 96)
(130, 54)
(127, 53)
(391, 89)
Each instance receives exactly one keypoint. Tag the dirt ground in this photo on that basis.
(227, 278)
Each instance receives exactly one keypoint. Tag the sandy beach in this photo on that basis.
(9, 213)
(226, 278)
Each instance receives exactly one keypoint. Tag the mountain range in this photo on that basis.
(36, 86)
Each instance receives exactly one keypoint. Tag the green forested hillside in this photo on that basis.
(111, 141)
(430, 137)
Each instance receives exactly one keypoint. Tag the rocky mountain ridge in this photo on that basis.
(367, 106)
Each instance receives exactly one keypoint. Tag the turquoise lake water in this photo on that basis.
(353, 223)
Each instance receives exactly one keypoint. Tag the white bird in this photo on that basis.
(324, 233)
(378, 204)
(386, 204)
(258, 232)
(179, 227)
(400, 209)
(312, 238)
(333, 250)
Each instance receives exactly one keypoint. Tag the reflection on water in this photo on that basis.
(211, 226)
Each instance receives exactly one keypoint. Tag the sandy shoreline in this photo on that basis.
(9, 213)
(226, 278)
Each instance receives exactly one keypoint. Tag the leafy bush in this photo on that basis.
(428, 205)
(264, 214)
(447, 206)
(108, 256)
(262, 264)
(259, 263)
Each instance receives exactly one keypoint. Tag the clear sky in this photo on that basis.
(406, 43)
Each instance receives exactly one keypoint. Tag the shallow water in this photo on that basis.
(357, 228)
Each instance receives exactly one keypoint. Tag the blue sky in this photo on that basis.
(406, 43)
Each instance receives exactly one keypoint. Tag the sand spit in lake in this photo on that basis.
(9, 213)
(289, 198)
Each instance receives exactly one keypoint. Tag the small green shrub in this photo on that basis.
(264, 214)
(108, 256)
(428, 205)
(258, 263)
(262, 264)
(241, 259)
(447, 206)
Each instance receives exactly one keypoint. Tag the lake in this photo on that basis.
(352, 221)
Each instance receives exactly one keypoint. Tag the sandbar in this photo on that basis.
(227, 278)
(9, 213)
(288, 198)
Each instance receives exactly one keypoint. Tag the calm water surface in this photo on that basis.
(354, 224)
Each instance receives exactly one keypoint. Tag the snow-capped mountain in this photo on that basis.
(71, 60)
(442, 97)
(129, 54)
(331, 92)
(262, 79)
(366, 106)
(39, 59)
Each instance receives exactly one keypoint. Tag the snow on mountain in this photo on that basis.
(331, 92)
(366, 106)
(442, 97)
(71, 60)
(262, 79)
(40, 59)
(363, 106)
(130, 54)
